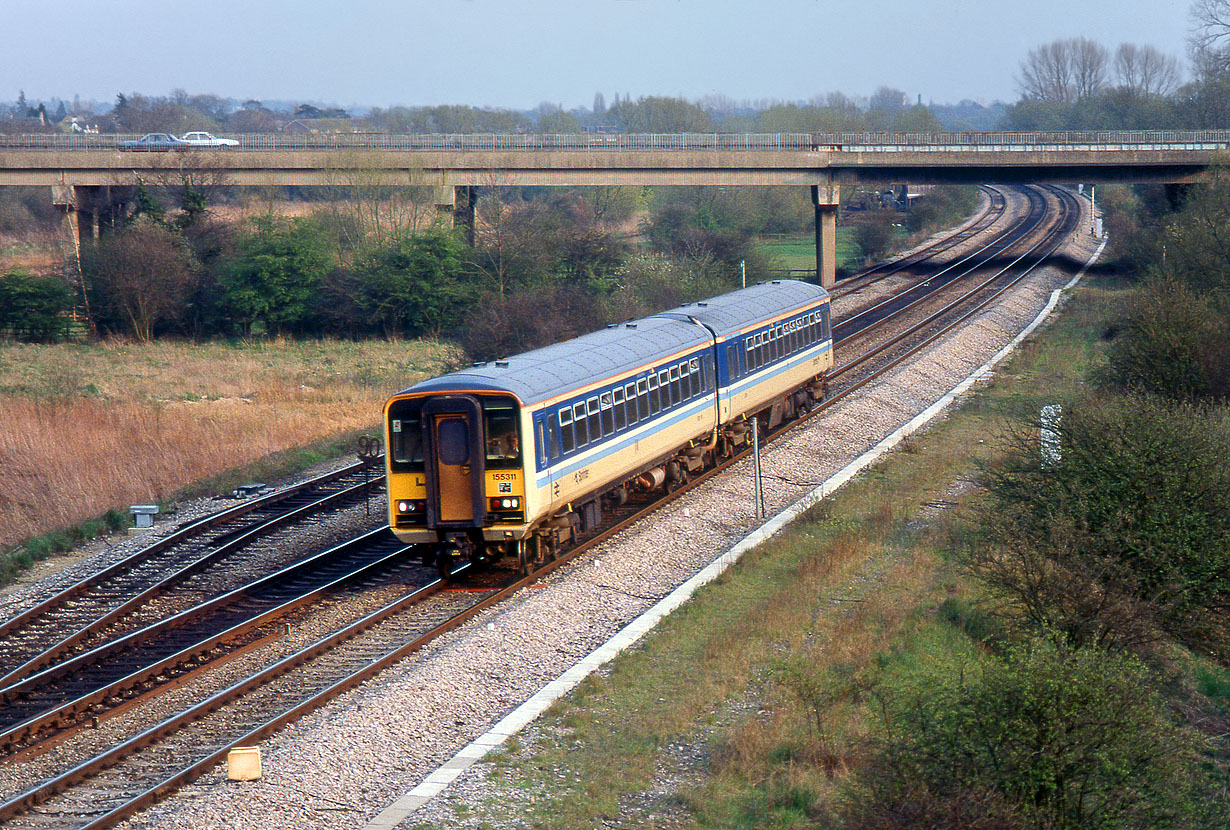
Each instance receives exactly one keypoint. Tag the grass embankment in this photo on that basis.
(762, 700)
(93, 428)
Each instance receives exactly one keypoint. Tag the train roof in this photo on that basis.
(561, 368)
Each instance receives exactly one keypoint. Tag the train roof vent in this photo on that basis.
(478, 364)
(703, 305)
(630, 325)
(502, 364)
(612, 325)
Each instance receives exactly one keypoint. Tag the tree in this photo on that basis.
(1210, 41)
(1046, 73)
(1089, 66)
(1145, 71)
(413, 284)
(660, 115)
(273, 278)
(141, 278)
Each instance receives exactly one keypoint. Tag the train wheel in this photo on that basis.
(444, 562)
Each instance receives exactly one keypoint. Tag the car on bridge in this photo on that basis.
(203, 139)
(153, 143)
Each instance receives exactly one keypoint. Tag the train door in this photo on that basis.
(455, 463)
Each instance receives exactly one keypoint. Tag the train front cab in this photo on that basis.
(455, 477)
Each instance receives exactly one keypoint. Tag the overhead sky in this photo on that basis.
(519, 53)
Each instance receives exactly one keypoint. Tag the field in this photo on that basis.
(89, 428)
(798, 251)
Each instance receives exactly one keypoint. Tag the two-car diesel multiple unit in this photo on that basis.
(517, 456)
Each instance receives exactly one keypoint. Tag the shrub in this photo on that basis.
(1047, 737)
(1173, 344)
(1129, 530)
(35, 308)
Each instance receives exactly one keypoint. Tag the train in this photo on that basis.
(524, 455)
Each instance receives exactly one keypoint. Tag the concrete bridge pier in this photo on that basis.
(465, 200)
(826, 199)
(104, 206)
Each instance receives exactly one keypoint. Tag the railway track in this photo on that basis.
(75, 618)
(100, 791)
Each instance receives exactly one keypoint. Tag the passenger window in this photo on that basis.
(608, 414)
(579, 424)
(664, 388)
(621, 420)
(676, 392)
(654, 406)
(630, 398)
(566, 434)
(595, 424)
(642, 394)
(698, 379)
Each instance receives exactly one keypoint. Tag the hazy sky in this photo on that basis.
(519, 53)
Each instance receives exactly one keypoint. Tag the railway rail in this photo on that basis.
(100, 791)
(36, 637)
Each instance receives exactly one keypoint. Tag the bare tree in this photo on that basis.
(1089, 66)
(1047, 72)
(1145, 70)
(1210, 39)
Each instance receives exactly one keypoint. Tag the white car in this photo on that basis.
(200, 139)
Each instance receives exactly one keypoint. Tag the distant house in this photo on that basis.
(296, 126)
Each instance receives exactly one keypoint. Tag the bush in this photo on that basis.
(1046, 737)
(1126, 535)
(35, 308)
(1172, 344)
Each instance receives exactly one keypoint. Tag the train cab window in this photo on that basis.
(503, 444)
(406, 435)
(617, 398)
(453, 435)
(608, 414)
(642, 398)
(595, 421)
(630, 402)
(567, 437)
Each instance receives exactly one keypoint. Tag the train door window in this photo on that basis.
(653, 395)
(453, 436)
(825, 331)
(542, 444)
(608, 414)
(621, 419)
(642, 395)
(595, 420)
(580, 425)
(552, 437)
(664, 388)
(630, 402)
(730, 361)
(567, 436)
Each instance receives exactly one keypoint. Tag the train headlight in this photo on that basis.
(403, 506)
(411, 506)
(506, 503)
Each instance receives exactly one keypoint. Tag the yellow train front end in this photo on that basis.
(456, 473)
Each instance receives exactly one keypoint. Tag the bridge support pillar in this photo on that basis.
(103, 205)
(463, 212)
(826, 199)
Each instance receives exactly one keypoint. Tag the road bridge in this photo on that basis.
(76, 166)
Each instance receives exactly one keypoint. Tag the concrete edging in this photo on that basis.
(438, 781)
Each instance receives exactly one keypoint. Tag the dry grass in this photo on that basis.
(90, 428)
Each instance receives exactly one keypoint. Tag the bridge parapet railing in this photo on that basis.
(667, 142)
